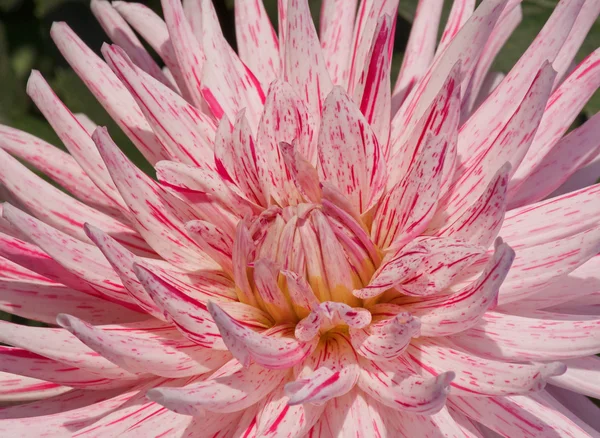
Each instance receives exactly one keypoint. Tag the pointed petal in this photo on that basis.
(457, 312)
(188, 51)
(349, 154)
(551, 337)
(310, 80)
(42, 302)
(372, 91)
(305, 176)
(21, 362)
(482, 221)
(476, 376)
(276, 303)
(537, 266)
(56, 164)
(228, 86)
(388, 335)
(420, 48)
(486, 123)
(394, 385)
(109, 91)
(217, 244)
(81, 259)
(277, 351)
(231, 388)
(256, 40)
(159, 217)
(62, 346)
(160, 352)
(74, 136)
(335, 33)
(459, 14)
(516, 416)
(405, 210)
(331, 371)
(121, 34)
(185, 131)
(510, 145)
(300, 292)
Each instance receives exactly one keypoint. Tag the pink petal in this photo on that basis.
(304, 174)
(394, 385)
(509, 20)
(108, 90)
(476, 376)
(188, 314)
(21, 362)
(266, 275)
(276, 418)
(217, 244)
(22, 389)
(482, 221)
(548, 336)
(256, 41)
(159, 216)
(516, 416)
(285, 119)
(510, 145)
(388, 335)
(273, 349)
(349, 154)
(235, 157)
(60, 345)
(74, 136)
(459, 311)
(331, 314)
(231, 388)
(372, 91)
(336, 27)
(459, 14)
(81, 259)
(56, 164)
(160, 352)
(486, 122)
(464, 48)
(186, 132)
(301, 294)
(188, 51)
(420, 48)
(310, 80)
(552, 219)
(228, 86)
(121, 34)
(404, 211)
(569, 154)
(581, 376)
(536, 266)
(331, 371)
(353, 414)
(154, 31)
(43, 301)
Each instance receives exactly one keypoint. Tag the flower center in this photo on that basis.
(303, 262)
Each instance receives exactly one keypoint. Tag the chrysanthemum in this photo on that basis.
(321, 254)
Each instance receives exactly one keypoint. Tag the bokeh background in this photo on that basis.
(25, 44)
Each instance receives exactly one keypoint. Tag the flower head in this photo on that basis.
(321, 254)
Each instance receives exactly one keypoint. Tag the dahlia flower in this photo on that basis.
(321, 254)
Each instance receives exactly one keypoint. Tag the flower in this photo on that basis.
(322, 255)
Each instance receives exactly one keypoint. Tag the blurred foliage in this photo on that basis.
(25, 44)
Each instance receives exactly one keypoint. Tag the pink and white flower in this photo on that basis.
(322, 254)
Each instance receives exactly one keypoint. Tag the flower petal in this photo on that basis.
(273, 349)
(256, 40)
(231, 388)
(336, 27)
(23, 389)
(581, 376)
(459, 311)
(186, 132)
(546, 337)
(331, 371)
(475, 376)
(394, 385)
(159, 352)
(108, 90)
(349, 153)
